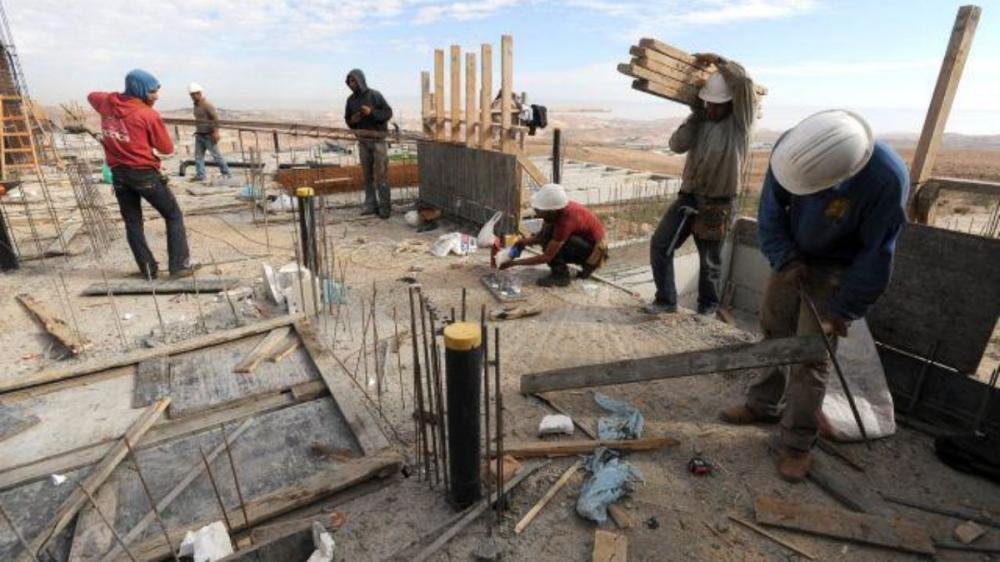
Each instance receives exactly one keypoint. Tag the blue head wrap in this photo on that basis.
(138, 83)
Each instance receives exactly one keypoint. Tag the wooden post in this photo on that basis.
(486, 98)
(456, 93)
(944, 94)
(470, 99)
(506, 91)
(425, 104)
(439, 94)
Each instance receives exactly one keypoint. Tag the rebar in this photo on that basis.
(156, 302)
(17, 533)
(399, 359)
(418, 399)
(439, 397)
(236, 479)
(215, 488)
(429, 377)
(499, 415)
(149, 497)
(486, 409)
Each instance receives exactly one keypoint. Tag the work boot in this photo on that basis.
(554, 281)
(586, 271)
(794, 465)
(184, 271)
(657, 307)
(368, 210)
(742, 415)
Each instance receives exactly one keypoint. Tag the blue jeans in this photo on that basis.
(202, 143)
(661, 257)
(131, 187)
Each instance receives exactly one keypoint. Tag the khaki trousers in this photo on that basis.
(794, 392)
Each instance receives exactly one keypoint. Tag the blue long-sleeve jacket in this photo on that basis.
(854, 224)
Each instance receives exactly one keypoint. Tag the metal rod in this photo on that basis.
(156, 302)
(114, 305)
(918, 387)
(215, 488)
(486, 410)
(69, 304)
(197, 299)
(17, 533)
(378, 367)
(93, 503)
(836, 364)
(149, 496)
(399, 360)
(229, 298)
(463, 304)
(429, 376)
(499, 415)
(236, 479)
(418, 400)
(439, 396)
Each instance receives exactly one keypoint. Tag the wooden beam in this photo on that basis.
(944, 93)
(56, 326)
(550, 449)
(439, 133)
(506, 91)
(471, 117)
(340, 476)
(456, 93)
(162, 287)
(609, 546)
(545, 499)
(91, 537)
(68, 510)
(347, 395)
(765, 533)
(264, 348)
(486, 98)
(426, 110)
(84, 368)
(768, 353)
(532, 170)
(890, 532)
(665, 49)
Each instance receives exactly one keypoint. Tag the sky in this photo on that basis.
(879, 58)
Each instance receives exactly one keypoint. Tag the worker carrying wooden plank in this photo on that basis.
(571, 234)
(367, 110)
(716, 139)
(831, 209)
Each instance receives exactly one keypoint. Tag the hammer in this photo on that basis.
(687, 211)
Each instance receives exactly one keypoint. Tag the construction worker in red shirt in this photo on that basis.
(131, 129)
(571, 234)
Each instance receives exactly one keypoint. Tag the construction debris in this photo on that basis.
(968, 532)
(55, 325)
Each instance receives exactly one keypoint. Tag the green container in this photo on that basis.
(105, 173)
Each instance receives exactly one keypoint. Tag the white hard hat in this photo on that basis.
(716, 90)
(823, 150)
(194, 87)
(551, 197)
(412, 218)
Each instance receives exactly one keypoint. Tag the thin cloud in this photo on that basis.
(815, 69)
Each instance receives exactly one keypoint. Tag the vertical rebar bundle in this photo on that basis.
(93, 211)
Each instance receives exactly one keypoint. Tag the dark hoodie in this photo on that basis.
(131, 130)
(381, 112)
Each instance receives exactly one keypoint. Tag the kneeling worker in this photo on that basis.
(571, 234)
(831, 209)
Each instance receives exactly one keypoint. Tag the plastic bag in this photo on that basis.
(209, 543)
(555, 424)
(486, 236)
(627, 422)
(454, 243)
(611, 479)
(324, 543)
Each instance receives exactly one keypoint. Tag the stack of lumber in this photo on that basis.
(667, 72)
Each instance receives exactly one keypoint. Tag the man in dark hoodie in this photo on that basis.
(131, 129)
(366, 111)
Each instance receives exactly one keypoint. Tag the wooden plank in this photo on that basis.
(609, 546)
(287, 348)
(14, 419)
(262, 350)
(663, 85)
(456, 93)
(665, 49)
(545, 499)
(764, 533)
(768, 353)
(952, 66)
(439, 132)
(890, 532)
(162, 286)
(666, 61)
(667, 93)
(506, 91)
(152, 381)
(84, 368)
(68, 510)
(691, 79)
(57, 327)
(197, 467)
(584, 446)
(91, 537)
(470, 100)
(532, 170)
(426, 110)
(486, 97)
(164, 431)
(344, 391)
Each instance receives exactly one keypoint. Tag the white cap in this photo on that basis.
(823, 150)
(551, 197)
(716, 90)
(194, 87)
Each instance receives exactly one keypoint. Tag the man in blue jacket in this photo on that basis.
(367, 112)
(831, 209)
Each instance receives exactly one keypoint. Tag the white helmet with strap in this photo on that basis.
(716, 90)
(551, 197)
(823, 150)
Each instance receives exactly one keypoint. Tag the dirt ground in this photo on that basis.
(681, 516)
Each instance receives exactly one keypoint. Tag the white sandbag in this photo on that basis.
(454, 243)
(209, 543)
(486, 236)
(863, 370)
(412, 218)
(555, 424)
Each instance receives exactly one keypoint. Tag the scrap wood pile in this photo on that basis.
(667, 72)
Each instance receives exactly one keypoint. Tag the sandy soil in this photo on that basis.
(588, 322)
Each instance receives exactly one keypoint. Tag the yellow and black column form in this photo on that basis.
(463, 359)
(307, 227)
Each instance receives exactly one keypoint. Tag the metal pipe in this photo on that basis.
(463, 368)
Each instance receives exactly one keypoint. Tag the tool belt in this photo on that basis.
(712, 219)
(600, 255)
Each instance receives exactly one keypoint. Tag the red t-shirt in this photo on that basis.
(131, 131)
(578, 220)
